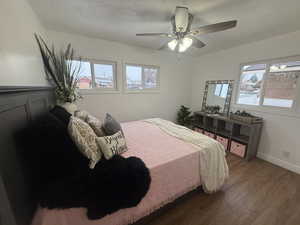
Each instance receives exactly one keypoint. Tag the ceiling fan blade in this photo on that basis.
(155, 34)
(164, 46)
(196, 42)
(214, 27)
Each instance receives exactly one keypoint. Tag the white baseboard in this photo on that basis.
(279, 162)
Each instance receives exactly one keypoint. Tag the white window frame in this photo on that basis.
(97, 90)
(144, 90)
(260, 106)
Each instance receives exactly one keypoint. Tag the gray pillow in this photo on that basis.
(111, 126)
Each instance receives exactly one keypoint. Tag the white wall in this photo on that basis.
(175, 79)
(20, 61)
(281, 130)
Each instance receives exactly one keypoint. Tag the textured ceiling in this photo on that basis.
(120, 20)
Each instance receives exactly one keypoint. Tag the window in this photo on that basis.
(96, 75)
(139, 78)
(104, 75)
(270, 84)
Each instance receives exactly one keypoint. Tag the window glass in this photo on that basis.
(285, 67)
(104, 75)
(251, 80)
(85, 75)
(134, 77)
(150, 75)
(280, 89)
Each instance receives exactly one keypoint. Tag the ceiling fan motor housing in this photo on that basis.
(181, 19)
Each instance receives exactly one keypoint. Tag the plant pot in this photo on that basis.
(71, 107)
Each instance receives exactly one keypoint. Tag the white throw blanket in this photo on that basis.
(213, 165)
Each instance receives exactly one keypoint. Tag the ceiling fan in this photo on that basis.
(183, 36)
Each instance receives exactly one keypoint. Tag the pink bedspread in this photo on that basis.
(174, 167)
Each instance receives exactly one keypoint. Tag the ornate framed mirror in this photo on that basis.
(217, 96)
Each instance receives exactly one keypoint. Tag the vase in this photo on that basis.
(71, 107)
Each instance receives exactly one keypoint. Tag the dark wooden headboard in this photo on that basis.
(18, 106)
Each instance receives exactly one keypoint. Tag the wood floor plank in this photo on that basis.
(257, 193)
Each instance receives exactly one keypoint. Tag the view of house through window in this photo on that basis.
(134, 77)
(85, 75)
(251, 83)
(104, 75)
(96, 74)
(141, 77)
(269, 84)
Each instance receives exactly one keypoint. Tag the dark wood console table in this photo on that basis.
(242, 138)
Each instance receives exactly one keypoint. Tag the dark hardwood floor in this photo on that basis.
(257, 193)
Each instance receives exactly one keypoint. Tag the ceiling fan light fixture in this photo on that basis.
(181, 18)
(185, 44)
(182, 36)
(172, 44)
(283, 66)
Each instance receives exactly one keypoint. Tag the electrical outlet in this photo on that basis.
(286, 154)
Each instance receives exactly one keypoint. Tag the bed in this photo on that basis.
(173, 163)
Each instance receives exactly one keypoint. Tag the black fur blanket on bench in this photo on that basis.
(62, 179)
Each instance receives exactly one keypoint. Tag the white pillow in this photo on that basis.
(112, 145)
(95, 124)
(81, 114)
(85, 139)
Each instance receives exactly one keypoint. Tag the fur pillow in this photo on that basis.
(112, 145)
(85, 139)
(62, 114)
(111, 126)
(96, 125)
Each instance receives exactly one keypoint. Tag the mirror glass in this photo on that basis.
(217, 96)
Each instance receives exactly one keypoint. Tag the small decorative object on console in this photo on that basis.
(212, 109)
(245, 117)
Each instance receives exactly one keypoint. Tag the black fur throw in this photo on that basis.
(61, 177)
(112, 185)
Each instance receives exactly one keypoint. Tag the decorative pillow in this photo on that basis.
(112, 145)
(85, 139)
(96, 125)
(111, 126)
(81, 114)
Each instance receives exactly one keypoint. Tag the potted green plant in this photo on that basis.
(63, 73)
(184, 116)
